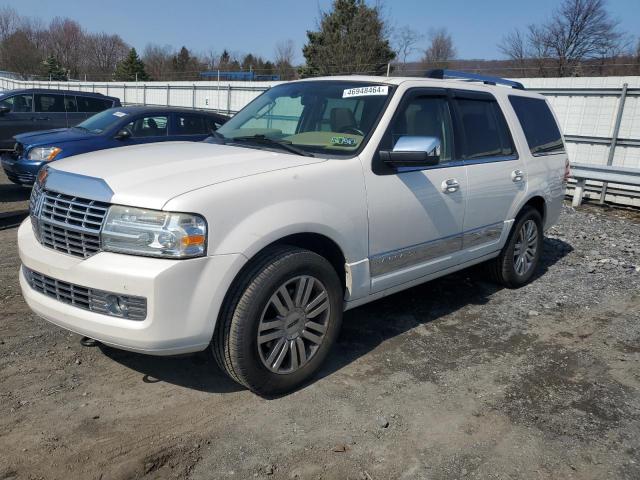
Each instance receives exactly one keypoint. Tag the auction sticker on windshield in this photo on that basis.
(365, 91)
(119, 114)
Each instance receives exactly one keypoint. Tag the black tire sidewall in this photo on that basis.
(248, 311)
(508, 268)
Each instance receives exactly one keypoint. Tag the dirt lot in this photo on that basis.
(453, 379)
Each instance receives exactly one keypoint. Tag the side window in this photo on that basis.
(70, 103)
(283, 115)
(485, 129)
(49, 103)
(19, 103)
(92, 105)
(190, 125)
(539, 126)
(424, 116)
(212, 124)
(152, 126)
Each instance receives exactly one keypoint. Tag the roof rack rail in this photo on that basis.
(472, 77)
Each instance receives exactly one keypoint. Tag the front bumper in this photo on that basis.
(183, 296)
(21, 170)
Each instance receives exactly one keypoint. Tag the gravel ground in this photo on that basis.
(456, 378)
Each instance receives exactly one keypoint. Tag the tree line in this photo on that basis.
(579, 38)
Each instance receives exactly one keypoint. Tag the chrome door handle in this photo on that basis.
(451, 185)
(517, 176)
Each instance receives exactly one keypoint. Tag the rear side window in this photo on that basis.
(50, 103)
(539, 126)
(486, 132)
(190, 125)
(70, 103)
(90, 104)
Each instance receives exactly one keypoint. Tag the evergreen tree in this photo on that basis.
(131, 68)
(54, 70)
(352, 39)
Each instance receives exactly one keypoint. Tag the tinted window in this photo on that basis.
(70, 103)
(90, 104)
(152, 126)
(49, 103)
(539, 126)
(191, 125)
(213, 124)
(18, 103)
(424, 117)
(485, 129)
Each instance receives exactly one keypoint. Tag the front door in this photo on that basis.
(416, 214)
(18, 119)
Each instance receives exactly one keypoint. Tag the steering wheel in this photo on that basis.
(352, 130)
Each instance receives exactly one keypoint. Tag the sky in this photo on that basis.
(256, 26)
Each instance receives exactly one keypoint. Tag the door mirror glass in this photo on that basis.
(413, 151)
(4, 109)
(123, 134)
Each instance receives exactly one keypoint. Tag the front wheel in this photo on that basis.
(519, 259)
(280, 320)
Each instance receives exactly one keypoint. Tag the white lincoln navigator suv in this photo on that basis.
(317, 197)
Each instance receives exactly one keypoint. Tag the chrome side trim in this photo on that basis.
(78, 185)
(387, 262)
(482, 235)
(408, 256)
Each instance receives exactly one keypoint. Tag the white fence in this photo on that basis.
(587, 108)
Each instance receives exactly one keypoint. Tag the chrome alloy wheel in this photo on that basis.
(293, 324)
(526, 246)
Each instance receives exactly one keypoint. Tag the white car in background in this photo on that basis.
(319, 196)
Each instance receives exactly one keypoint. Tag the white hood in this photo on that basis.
(150, 175)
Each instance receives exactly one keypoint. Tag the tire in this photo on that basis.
(256, 320)
(504, 268)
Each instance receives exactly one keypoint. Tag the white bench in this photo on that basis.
(582, 172)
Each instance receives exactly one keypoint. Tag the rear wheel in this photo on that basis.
(519, 259)
(280, 320)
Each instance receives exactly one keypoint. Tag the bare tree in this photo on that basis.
(284, 58)
(158, 61)
(440, 50)
(514, 46)
(20, 54)
(9, 22)
(405, 43)
(66, 42)
(103, 53)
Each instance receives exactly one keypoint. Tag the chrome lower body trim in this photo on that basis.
(406, 257)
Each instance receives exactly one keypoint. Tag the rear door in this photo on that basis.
(49, 111)
(18, 119)
(496, 174)
(74, 117)
(189, 126)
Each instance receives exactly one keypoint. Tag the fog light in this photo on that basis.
(117, 305)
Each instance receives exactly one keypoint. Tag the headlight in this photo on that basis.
(154, 233)
(43, 153)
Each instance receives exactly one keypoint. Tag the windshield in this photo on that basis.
(103, 121)
(332, 117)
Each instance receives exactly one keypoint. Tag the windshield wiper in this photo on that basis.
(82, 128)
(264, 140)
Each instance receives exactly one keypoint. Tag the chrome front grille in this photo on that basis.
(66, 223)
(98, 301)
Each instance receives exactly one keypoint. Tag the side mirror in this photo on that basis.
(123, 134)
(4, 109)
(413, 151)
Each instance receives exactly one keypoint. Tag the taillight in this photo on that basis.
(567, 170)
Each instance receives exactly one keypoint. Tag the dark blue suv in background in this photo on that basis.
(41, 109)
(116, 127)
